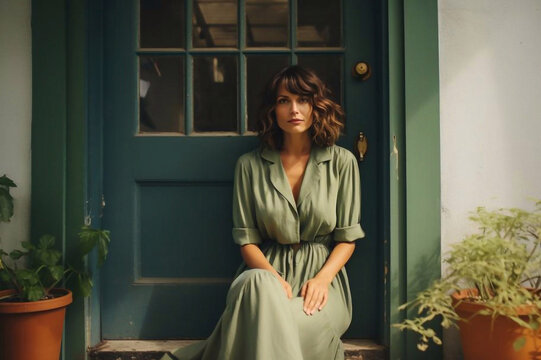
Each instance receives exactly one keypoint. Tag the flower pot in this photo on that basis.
(32, 330)
(486, 339)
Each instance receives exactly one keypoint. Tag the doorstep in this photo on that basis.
(355, 349)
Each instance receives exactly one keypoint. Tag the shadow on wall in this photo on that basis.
(418, 278)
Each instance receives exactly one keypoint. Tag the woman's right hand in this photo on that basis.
(254, 258)
(286, 286)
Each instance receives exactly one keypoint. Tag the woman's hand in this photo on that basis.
(254, 258)
(286, 286)
(315, 292)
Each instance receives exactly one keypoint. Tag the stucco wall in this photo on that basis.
(490, 86)
(15, 113)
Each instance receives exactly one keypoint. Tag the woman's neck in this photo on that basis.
(297, 144)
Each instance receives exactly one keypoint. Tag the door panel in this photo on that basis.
(179, 115)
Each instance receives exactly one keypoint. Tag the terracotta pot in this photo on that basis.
(485, 339)
(32, 330)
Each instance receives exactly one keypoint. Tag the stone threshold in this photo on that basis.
(355, 349)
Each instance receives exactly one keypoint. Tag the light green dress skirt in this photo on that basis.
(261, 323)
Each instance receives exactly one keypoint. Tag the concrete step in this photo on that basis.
(355, 349)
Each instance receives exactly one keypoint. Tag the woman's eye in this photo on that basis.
(282, 101)
(303, 100)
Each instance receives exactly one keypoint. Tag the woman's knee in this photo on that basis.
(256, 276)
(253, 277)
(259, 279)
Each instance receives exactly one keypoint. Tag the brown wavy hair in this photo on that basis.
(327, 116)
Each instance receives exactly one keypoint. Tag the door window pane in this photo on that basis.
(161, 94)
(267, 23)
(215, 93)
(215, 75)
(329, 70)
(260, 70)
(319, 23)
(161, 24)
(214, 23)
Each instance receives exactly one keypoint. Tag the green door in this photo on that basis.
(181, 89)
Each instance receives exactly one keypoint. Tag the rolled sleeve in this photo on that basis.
(349, 233)
(244, 221)
(348, 203)
(243, 236)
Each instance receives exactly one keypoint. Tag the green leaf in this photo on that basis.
(87, 241)
(46, 241)
(519, 343)
(28, 245)
(103, 246)
(27, 276)
(6, 205)
(4, 276)
(7, 182)
(84, 284)
(57, 272)
(34, 293)
(90, 238)
(47, 257)
(16, 254)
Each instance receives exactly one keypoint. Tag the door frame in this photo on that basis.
(66, 140)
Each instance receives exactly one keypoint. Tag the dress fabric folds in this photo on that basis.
(259, 321)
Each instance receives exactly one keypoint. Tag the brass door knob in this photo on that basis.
(361, 146)
(361, 70)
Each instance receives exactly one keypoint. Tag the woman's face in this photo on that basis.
(293, 112)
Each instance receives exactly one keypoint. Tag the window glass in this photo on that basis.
(318, 23)
(161, 24)
(260, 69)
(214, 23)
(215, 93)
(267, 23)
(161, 94)
(329, 70)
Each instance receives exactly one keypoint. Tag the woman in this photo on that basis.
(296, 209)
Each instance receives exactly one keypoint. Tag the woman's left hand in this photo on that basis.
(315, 292)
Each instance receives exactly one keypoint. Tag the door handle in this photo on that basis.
(362, 70)
(361, 146)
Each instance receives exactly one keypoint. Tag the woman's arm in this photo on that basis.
(254, 258)
(315, 291)
(347, 230)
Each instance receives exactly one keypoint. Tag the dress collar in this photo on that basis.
(310, 179)
(318, 153)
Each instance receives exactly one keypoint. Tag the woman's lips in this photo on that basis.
(295, 121)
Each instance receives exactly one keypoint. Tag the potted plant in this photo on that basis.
(32, 306)
(491, 290)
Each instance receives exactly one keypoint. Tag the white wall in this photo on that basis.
(15, 114)
(490, 99)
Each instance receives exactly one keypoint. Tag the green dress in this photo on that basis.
(259, 321)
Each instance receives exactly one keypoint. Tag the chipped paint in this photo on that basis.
(395, 153)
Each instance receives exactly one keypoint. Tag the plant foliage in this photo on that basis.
(42, 268)
(6, 201)
(502, 261)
